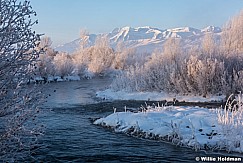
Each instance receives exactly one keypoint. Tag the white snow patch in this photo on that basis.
(193, 127)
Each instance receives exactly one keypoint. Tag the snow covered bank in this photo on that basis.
(57, 79)
(194, 127)
(155, 96)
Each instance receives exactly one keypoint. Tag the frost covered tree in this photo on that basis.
(80, 62)
(174, 56)
(93, 60)
(63, 65)
(232, 36)
(84, 35)
(101, 56)
(125, 57)
(18, 101)
(45, 63)
(81, 57)
(205, 76)
(156, 72)
(209, 46)
(231, 50)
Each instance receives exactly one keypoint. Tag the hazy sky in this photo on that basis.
(62, 20)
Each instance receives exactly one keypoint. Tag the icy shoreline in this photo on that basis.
(155, 96)
(193, 127)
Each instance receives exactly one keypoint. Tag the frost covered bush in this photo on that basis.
(205, 76)
(130, 80)
(155, 73)
(124, 59)
(19, 102)
(231, 121)
(63, 64)
(45, 65)
(99, 57)
(127, 57)
(231, 43)
(198, 75)
(80, 62)
(101, 60)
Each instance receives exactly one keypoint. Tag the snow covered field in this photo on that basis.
(155, 96)
(194, 127)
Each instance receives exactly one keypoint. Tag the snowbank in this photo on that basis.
(155, 96)
(194, 127)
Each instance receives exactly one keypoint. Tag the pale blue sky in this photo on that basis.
(62, 20)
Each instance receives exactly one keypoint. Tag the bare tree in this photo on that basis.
(18, 101)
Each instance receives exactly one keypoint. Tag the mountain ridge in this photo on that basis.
(143, 39)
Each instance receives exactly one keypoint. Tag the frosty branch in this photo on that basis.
(18, 101)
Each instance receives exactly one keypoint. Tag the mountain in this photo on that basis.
(144, 39)
(212, 29)
(73, 46)
(128, 33)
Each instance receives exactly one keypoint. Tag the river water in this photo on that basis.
(70, 135)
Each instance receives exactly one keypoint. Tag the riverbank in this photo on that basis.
(109, 94)
(193, 127)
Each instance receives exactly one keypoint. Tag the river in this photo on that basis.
(70, 135)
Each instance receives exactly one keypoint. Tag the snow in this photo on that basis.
(185, 31)
(58, 78)
(192, 127)
(154, 96)
(212, 29)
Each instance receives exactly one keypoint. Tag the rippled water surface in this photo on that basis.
(71, 137)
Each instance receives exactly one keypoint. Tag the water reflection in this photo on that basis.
(76, 92)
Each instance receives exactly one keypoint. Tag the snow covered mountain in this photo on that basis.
(144, 39)
(73, 46)
(212, 29)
